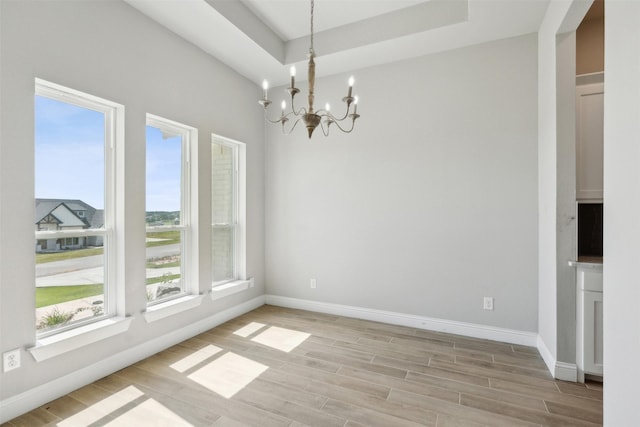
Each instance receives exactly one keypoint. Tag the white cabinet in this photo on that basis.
(590, 325)
(589, 141)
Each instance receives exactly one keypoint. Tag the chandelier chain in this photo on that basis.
(311, 48)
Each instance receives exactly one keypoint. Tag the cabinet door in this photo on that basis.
(593, 332)
(589, 141)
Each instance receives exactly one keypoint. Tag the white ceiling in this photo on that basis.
(262, 38)
(277, 14)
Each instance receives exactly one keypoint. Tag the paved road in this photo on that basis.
(90, 276)
(91, 262)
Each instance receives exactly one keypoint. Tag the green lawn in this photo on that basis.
(53, 295)
(167, 265)
(57, 294)
(153, 280)
(60, 256)
(171, 236)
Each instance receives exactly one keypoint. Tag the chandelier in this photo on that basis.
(309, 116)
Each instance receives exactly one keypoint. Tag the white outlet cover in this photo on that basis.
(11, 360)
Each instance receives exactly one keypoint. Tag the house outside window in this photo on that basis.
(75, 139)
(228, 159)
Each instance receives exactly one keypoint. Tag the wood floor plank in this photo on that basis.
(369, 417)
(378, 390)
(363, 400)
(512, 369)
(457, 410)
(275, 404)
(583, 413)
(520, 413)
(579, 390)
(381, 347)
(451, 421)
(448, 374)
(37, 417)
(347, 361)
(438, 387)
(547, 395)
(284, 367)
(451, 395)
(489, 372)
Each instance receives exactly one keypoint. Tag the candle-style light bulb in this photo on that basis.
(351, 82)
(265, 87)
(327, 107)
(292, 70)
(355, 105)
(283, 105)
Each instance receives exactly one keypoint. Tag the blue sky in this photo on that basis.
(163, 171)
(69, 157)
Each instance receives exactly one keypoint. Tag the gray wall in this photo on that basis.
(108, 49)
(429, 205)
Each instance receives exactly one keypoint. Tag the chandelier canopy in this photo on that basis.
(309, 116)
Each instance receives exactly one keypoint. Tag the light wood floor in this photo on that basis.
(283, 367)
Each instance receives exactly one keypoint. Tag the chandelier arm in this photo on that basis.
(346, 114)
(292, 127)
(322, 127)
(353, 124)
(274, 121)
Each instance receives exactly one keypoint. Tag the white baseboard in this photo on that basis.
(510, 336)
(38, 396)
(566, 372)
(560, 370)
(548, 358)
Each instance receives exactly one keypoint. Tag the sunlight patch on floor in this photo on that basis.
(149, 412)
(140, 414)
(281, 338)
(195, 358)
(228, 374)
(249, 329)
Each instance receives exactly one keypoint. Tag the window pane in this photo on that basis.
(164, 209)
(222, 253)
(164, 177)
(70, 194)
(163, 265)
(222, 184)
(223, 211)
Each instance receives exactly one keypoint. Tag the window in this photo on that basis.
(75, 140)
(169, 231)
(227, 210)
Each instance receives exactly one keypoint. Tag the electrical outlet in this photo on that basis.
(252, 283)
(312, 283)
(11, 360)
(488, 303)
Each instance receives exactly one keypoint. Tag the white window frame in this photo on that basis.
(240, 281)
(189, 276)
(57, 341)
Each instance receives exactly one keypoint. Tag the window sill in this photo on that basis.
(73, 339)
(231, 288)
(169, 308)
